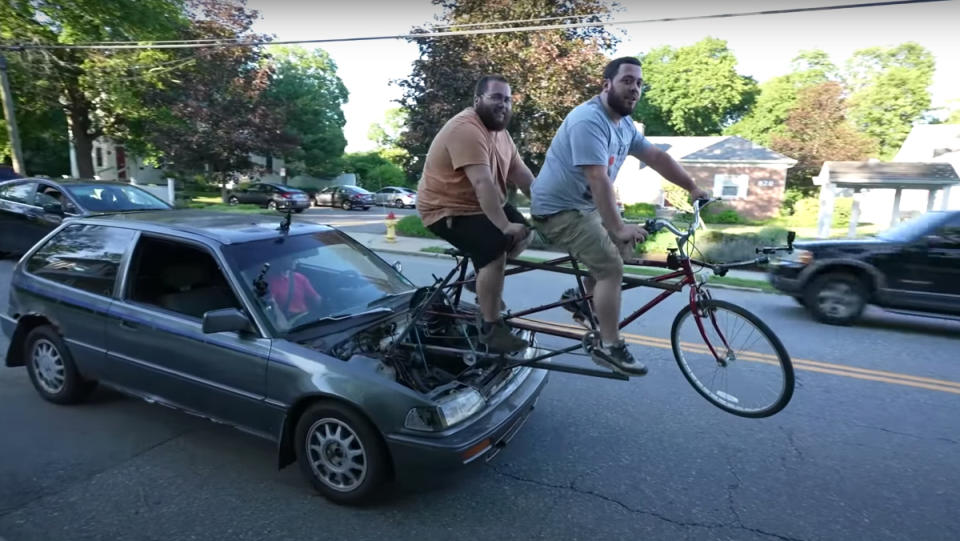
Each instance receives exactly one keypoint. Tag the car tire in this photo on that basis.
(836, 298)
(298, 211)
(51, 368)
(366, 208)
(398, 203)
(329, 433)
(233, 201)
(346, 205)
(271, 205)
(800, 300)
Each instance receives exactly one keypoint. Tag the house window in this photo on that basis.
(99, 157)
(730, 186)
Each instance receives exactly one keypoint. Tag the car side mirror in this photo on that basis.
(398, 266)
(225, 320)
(53, 207)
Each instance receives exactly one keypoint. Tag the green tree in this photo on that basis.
(387, 136)
(550, 72)
(217, 112)
(309, 95)
(373, 170)
(817, 130)
(82, 82)
(693, 90)
(778, 97)
(890, 91)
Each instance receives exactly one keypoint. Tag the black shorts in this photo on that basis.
(476, 236)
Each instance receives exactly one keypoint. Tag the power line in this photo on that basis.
(538, 19)
(423, 35)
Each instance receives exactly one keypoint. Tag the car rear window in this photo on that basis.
(82, 256)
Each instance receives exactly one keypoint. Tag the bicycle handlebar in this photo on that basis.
(654, 225)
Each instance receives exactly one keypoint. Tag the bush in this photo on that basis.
(807, 210)
(639, 210)
(721, 247)
(725, 216)
(411, 226)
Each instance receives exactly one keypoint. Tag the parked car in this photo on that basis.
(269, 195)
(286, 333)
(32, 207)
(913, 267)
(345, 197)
(395, 196)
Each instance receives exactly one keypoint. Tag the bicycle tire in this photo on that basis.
(724, 400)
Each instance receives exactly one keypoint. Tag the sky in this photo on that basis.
(763, 44)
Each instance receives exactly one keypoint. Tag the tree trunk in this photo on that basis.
(78, 110)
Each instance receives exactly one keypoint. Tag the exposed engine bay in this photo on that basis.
(437, 351)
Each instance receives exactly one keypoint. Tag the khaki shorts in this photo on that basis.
(582, 234)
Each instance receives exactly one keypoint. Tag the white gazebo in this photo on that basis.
(858, 176)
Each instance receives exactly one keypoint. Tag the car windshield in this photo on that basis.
(314, 278)
(115, 198)
(913, 229)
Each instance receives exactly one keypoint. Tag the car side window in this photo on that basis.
(82, 256)
(950, 232)
(19, 192)
(178, 277)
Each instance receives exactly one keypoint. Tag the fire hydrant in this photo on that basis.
(391, 227)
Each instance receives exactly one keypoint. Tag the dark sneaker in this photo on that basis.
(578, 309)
(499, 339)
(618, 357)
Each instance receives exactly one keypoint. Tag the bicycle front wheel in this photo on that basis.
(747, 373)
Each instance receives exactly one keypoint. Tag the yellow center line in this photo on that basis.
(883, 376)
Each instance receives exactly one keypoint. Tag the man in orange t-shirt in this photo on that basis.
(462, 198)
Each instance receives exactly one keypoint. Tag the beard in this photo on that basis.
(490, 116)
(619, 103)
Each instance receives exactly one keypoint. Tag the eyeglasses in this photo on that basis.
(497, 98)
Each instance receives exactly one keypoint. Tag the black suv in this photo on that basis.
(912, 268)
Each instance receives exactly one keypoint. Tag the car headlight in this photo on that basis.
(803, 257)
(449, 411)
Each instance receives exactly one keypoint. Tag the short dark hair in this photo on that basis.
(613, 67)
(482, 83)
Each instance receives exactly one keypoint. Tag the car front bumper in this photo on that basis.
(785, 276)
(480, 441)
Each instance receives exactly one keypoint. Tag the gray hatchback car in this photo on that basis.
(293, 332)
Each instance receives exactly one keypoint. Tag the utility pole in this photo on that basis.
(8, 112)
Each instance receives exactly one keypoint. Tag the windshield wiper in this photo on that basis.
(340, 317)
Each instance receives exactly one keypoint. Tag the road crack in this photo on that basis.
(571, 486)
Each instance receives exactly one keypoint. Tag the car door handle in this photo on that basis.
(129, 326)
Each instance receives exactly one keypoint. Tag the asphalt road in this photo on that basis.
(858, 453)
(371, 220)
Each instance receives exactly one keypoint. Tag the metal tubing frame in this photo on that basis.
(685, 272)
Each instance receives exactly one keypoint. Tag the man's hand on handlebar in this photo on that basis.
(631, 234)
(701, 195)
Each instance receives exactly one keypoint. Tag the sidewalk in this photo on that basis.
(415, 246)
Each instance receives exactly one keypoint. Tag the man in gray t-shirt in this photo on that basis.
(573, 205)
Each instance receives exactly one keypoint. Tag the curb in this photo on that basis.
(398, 251)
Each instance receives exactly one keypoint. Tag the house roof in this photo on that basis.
(723, 148)
(931, 143)
(924, 176)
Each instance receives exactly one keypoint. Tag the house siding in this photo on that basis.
(760, 202)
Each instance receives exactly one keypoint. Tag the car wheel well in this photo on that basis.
(287, 452)
(25, 324)
(859, 273)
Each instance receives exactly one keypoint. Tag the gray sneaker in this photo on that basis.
(617, 357)
(499, 339)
